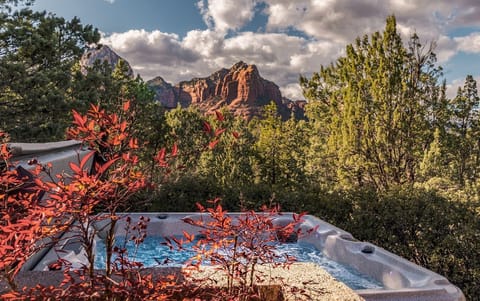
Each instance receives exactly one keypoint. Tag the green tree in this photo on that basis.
(280, 149)
(230, 163)
(149, 124)
(187, 130)
(269, 130)
(435, 161)
(373, 104)
(99, 84)
(320, 166)
(440, 111)
(37, 52)
(465, 132)
(95, 84)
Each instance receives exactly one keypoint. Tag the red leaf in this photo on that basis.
(106, 165)
(178, 242)
(79, 120)
(94, 108)
(212, 144)
(10, 295)
(75, 168)
(126, 106)
(160, 156)
(298, 217)
(133, 143)
(188, 236)
(85, 159)
(214, 201)
(123, 126)
(218, 132)
(206, 127)
(313, 229)
(219, 116)
(174, 150)
(188, 221)
(200, 207)
(236, 135)
(91, 125)
(39, 182)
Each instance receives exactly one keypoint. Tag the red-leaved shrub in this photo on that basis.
(234, 245)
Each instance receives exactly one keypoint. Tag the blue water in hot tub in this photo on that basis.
(152, 253)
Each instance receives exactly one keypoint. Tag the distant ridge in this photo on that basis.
(240, 88)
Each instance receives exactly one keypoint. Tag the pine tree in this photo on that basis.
(280, 149)
(37, 52)
(230, 163)
(187, 129)
(372, 107)
(465, 131)
(434, 163)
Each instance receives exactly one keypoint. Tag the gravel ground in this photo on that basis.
(306, 281)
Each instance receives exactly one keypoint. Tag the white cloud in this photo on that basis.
(344, 20)
(328, 26)
(110, 1)
(453, 86)
(292, 91)
(340, 20)
(445, 49)
(470, 43)
(279, 57)
(205, 42)
(224, 15)
(141, 47)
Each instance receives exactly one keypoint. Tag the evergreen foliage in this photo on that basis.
(37, 53)
(280, 149)
(372, 105)
(229, 164)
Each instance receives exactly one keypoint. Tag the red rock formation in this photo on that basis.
(243, 85)
(241, 88)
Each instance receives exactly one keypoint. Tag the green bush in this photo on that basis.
(182, 194)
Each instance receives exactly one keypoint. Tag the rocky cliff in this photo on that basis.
(163, 91)
(240, 88)
(103, 53)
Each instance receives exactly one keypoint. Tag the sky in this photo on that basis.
(182, 39)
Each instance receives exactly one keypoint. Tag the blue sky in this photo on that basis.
(181, 39)
(178, 16)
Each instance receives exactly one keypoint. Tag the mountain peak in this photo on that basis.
(158, 81)
(103, 53)
(240, 88)
(241, 65)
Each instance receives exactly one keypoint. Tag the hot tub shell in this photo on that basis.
(402, 280)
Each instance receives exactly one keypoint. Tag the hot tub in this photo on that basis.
(400, 279)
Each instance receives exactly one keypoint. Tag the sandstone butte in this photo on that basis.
(240, 88)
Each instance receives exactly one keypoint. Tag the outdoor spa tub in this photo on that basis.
(387, 276)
